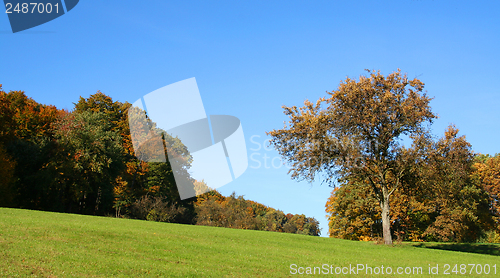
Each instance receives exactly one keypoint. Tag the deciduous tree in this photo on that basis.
(356, 131)
(460, 210)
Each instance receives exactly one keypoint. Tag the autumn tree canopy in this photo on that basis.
(488, 175)
(443, 200)
(356, 132)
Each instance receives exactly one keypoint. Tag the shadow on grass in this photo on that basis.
(480, 248)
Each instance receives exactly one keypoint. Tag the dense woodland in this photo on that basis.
(83, 161)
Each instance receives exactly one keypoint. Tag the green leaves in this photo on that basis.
(92, 156)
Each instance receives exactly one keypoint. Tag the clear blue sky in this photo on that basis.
(251, 57)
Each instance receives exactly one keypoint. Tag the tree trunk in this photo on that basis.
(386, 220)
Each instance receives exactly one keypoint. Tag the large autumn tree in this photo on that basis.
(357, 132)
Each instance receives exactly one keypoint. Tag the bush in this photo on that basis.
(490, 237)
(156, 209)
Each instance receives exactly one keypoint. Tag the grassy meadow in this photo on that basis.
(46, 244)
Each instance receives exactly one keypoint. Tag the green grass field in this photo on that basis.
(45, 244)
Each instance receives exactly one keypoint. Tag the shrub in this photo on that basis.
(156, 209)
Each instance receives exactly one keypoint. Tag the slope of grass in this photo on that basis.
(44, 244)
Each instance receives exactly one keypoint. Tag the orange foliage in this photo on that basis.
(488, 173)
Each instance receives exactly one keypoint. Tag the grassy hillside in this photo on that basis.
(44, 244)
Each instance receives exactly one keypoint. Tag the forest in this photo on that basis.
(82, 161)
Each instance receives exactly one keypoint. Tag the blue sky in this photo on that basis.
(251, 57)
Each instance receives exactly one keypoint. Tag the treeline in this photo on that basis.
(83, 161)
(452, 196)
(213, 209)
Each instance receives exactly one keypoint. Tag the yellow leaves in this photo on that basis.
(120, 189)
(330, 203)
(451, 132)
(154, 189)
(415, 237)
(365, 238)
(488, 174)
